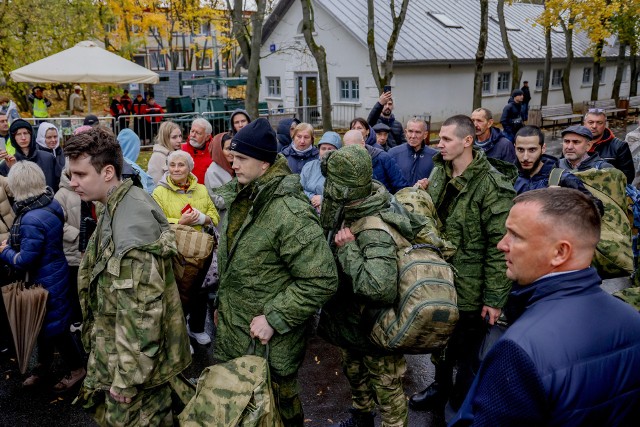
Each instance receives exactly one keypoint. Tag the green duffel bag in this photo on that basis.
(236, 393)
(426, 311)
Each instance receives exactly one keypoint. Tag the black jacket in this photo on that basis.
(616, 151)
(396, 136)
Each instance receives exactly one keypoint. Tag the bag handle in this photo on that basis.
(555, 176)
(376, 223)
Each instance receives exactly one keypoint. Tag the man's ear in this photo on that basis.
(468, 141)
(544, 148)
(109, 173)
(563, 251)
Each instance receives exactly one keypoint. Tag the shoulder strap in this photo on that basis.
(376, 223)
(555, 176)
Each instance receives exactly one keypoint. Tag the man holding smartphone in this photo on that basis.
(382, 112)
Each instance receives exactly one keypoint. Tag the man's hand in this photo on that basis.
(261, 329)
(384, 98)
(113, 391)
(316, 201)
(422, 183)
(343, 237)
(3, 245)
(493, 313)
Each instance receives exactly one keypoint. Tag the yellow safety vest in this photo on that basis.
(11, 150)
(39, 108)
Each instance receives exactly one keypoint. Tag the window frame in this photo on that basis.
(274, 90)
(352, 89)
(503, 86)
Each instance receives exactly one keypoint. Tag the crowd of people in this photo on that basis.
(99, 232)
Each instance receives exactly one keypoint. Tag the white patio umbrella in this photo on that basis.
(86, 62)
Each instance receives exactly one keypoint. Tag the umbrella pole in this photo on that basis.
(89, 98)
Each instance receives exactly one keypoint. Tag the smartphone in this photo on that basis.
(387, 88)
(3, 145)
(187, 208)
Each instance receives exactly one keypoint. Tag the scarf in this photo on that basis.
(309, 148)
(22, 207)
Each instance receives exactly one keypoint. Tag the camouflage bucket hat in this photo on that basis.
(349, 174)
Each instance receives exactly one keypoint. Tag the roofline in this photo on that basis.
(274, 18)
(405, 63)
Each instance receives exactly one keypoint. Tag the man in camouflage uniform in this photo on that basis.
(368, 276)
(276, 269)
(473, 201)
(133, 327)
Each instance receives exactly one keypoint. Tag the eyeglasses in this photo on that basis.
(596, 110)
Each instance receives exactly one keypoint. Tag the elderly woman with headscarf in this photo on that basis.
(35, 248)
(186, 202)
(48, 139)
(21, 133)
(301, 150)
(168, 139)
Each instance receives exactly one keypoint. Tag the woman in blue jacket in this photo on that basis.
(35, 248)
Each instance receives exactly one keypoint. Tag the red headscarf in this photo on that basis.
(218, 156)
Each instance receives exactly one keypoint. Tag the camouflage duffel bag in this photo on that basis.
(425, 311)
(614, 254)
(234, 393)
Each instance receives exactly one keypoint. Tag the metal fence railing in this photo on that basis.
(146, 125)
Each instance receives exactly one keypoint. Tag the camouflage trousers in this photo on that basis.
(377, 380)
(148, 408)
(286, 393)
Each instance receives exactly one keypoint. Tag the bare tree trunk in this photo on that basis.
(566, 74)
(597, 70)
(482, 48)
(622, 62)
(634, 71)
(384, 78)
(320, 55)
(546, 78)
(513, 59)
(250, 40)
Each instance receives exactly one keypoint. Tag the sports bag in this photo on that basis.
(614, 255)
(425, 312)
(234, 393)
(194, 248)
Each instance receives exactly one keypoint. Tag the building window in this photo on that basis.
(486, 83)
(539, 79)
(504, 78)
(625, 73)
(273, 86)
(556, 77)
(586, 75)
(157, 60)
(349, 89)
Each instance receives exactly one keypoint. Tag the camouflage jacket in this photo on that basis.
(274, 261)
(368, 273)
(478, 201)
(133, 328)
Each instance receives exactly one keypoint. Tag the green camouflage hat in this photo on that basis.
(349, 174)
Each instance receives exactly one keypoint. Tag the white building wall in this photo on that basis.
(439, 90)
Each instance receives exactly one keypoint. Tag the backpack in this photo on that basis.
(614, 256)
(194, 248)
(426, 310)
(236, 393)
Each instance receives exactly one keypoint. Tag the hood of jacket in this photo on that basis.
(33, 147)
(548, 163)
(607, 136)
(130, 144)
(284, 126)
(383, 204)
(371, 139)
(42, 131)
(65, 180)
(494, 136)
(166, 182)
(373, 151)
(237, 111)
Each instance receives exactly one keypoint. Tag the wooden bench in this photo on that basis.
(634, 103)
(608, 106)
(558, 113)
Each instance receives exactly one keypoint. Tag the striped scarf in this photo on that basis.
(22, 207)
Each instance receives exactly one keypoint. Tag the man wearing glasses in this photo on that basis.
(611, 149)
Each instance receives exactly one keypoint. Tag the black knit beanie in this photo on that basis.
(257, 140)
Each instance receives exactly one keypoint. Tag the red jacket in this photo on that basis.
(201, 159)
(153, 109)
